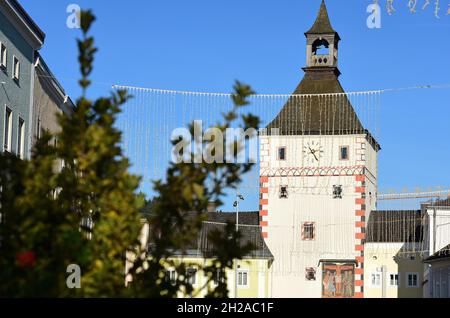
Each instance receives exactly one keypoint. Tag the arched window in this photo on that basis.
(321, 47)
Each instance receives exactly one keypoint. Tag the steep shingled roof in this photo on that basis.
(322, 25)
(395, 226)
(319, 114)
(316, 115)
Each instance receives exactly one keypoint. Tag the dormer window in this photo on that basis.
(284, 192)
(282, 153)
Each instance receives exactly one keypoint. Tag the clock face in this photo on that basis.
(313, 152)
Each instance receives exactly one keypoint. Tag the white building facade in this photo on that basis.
(437, 263)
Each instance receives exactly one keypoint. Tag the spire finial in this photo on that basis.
(322, 24)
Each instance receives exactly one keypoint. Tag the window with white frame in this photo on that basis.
(16, 68)
(191, 274)
(8, 130)
(375, 279)
(21, 139)
(394, 280)
(412, 280)
(243, 278)
(3, 56)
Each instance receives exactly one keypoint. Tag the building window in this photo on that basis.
(219, 277)
(191, 275)
(21, 139)
(308, 231)
(412, 280)
(171, 276)
(16, 69)
(375, 279)
(344, 153)
(38, 129)
(3, 56)
(243, 278)
(283, 192)
(394, 280)
(310, 274)
(282, 153)
(8, 130)
(337, 192)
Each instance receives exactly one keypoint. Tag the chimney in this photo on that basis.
(212, 207)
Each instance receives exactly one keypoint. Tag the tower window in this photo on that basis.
(308, 231)
(321, 47)
(310, 274)
(282, 153)
(344, 153)
(284, 192)
(337, 192)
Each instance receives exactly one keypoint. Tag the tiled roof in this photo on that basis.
(317, 115)
(201, 246)
(395, 227)
(442, 203)
(442, 254)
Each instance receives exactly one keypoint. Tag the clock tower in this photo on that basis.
(318, 180)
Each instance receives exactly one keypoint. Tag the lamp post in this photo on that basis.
(239, 198)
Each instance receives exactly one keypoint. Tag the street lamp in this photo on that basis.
(239, 198)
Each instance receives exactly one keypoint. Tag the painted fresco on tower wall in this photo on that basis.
(338, 280)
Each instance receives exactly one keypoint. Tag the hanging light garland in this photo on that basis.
(412, 5)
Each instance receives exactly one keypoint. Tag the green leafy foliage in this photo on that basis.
(74, 202)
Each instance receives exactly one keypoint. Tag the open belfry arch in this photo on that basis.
(318, 144)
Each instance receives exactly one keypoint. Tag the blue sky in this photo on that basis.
(204, 45)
